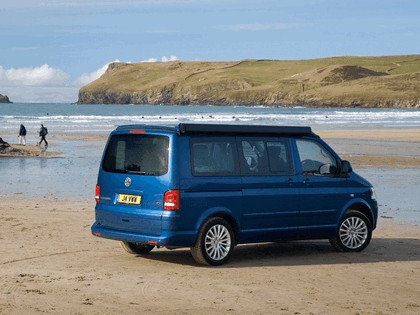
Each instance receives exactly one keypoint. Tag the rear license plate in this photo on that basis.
(129, 199)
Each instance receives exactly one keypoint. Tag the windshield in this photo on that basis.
(137, 153)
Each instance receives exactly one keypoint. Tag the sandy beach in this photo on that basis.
(51, 264)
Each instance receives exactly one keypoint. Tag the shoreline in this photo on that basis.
(360, 156)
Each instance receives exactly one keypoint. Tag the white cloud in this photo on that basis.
(88, 77)
(41, 94)
(36, 84)
(47, 84)
(163, 59)
(170, 58)
(34, 76)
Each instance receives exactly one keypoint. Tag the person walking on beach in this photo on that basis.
(42, 133)
(22, 135)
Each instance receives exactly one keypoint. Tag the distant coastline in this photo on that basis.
(371, 82)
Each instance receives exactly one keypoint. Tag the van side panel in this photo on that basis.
(204, 196)
(270, 196)
(270, 208)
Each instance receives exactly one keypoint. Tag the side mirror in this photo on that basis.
(346, 167)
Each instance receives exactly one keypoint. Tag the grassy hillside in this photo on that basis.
(391, 81)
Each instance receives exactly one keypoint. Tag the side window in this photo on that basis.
(254, 157)
(315, 159)
(265, 156)
(213, 157)
(279, 157)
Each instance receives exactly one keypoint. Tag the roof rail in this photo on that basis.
(185, 128)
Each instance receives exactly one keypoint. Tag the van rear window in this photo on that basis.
(137, 153)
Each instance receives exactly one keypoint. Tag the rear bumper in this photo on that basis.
(167, 238)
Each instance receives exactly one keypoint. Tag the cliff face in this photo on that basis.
(361, 82)
(4, 99)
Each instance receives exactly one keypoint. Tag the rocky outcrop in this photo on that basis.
(4, 99)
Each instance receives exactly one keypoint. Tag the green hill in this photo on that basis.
(391, 81)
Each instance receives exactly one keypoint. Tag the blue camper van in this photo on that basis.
(210, 187)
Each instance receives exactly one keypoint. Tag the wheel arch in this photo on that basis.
(223, 213)
(232, 222)
(363, 208)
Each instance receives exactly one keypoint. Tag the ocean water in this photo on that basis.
(78, 118)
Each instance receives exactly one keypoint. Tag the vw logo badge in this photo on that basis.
(127, 182)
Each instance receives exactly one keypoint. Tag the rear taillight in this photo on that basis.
(171, 200)
(97, 193)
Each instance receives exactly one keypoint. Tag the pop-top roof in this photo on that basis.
(248, 129)
(188, 128)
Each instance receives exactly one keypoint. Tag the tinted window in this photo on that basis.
(265, 156)
(135, 153)
(254, 160)
(315, 159)
(213, 156)
(278, 156)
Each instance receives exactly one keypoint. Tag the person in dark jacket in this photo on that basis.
(22, 135)
(43, 133)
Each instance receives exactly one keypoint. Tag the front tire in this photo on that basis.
(215, 243)
(354, 233)
(136, 248)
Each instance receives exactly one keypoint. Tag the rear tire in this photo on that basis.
(354, 233)
(215, 243)
(136, 248)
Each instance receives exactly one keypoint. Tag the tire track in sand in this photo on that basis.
(42, 256)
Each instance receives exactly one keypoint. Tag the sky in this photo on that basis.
(51, 48)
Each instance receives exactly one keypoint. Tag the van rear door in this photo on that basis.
(134, 176)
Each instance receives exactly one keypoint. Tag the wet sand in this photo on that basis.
(51, 264)
(401, 135)
(377, 148)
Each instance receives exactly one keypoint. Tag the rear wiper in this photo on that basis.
(135, 172)
(133, 168)
(142, 172)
